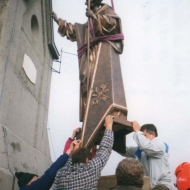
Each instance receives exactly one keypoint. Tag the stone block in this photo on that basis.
(106, 182)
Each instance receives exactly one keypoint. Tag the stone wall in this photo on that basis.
(24, 144)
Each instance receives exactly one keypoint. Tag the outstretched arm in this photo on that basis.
(151, 147)
(65, 29)
(105, 147)
(55, 18)
(47, 179)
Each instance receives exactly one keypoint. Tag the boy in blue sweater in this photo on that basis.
(28, 181)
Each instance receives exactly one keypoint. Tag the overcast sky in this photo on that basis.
(155, 68)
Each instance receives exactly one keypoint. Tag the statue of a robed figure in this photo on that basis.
(99, 41)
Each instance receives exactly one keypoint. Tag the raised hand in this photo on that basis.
(136, 126)
(90, 13)
(54, 16)
(77, 144)
(75, 131)
(109, 122)
(74, 146)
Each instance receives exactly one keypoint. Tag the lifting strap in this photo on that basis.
(112, 4)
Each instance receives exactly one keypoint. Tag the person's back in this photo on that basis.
(82, 173)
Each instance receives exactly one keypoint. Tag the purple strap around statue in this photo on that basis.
(106, 38)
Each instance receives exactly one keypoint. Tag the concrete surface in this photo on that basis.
(106, 182)
(23, 105)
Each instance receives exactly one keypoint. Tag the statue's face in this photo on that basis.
(92, 3)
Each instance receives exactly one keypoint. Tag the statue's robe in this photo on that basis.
(105, 93)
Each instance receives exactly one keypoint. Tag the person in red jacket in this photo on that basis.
(72, 138)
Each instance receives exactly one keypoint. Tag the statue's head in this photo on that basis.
(93, 2)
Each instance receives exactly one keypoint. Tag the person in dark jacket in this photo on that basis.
(129, 174)
(29, 181)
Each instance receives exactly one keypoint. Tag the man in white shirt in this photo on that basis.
(153, 154)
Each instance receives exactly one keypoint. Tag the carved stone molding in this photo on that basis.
(99, 94)
(29, 69)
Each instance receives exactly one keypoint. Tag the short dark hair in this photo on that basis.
(130, 172)
(149, 128)
(98, 2)
(80, 155)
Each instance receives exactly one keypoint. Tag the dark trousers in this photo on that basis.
(160, 187)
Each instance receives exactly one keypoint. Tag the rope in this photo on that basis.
(112, 4)
(92, 28)
(88, 49)
(105, 38)
(69, 53)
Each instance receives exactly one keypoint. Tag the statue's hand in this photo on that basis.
(90, 13)
(54, 16)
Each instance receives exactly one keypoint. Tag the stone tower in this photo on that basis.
(27, 51)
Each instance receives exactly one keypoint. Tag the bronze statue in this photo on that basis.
(101, 90)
